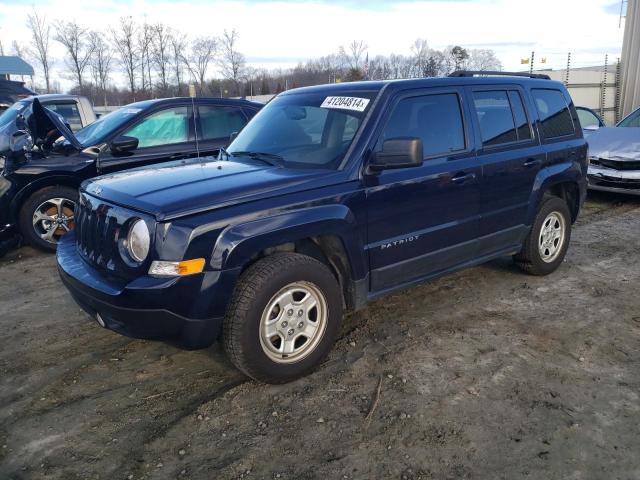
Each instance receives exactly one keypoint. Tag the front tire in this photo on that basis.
(283, 318)
(47, 215)
(546, 245)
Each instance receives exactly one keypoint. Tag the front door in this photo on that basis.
(424, 220)
(163, 135)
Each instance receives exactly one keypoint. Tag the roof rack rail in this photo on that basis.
(491, 73)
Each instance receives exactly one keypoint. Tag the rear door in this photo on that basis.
(510, 158)
(163, 135)
(215, 124)
(424, 220)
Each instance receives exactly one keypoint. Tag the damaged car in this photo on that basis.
(42, 162)
(614, 160)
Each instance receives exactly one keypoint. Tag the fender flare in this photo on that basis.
(547, 178)
(239, 243)
(44, 182)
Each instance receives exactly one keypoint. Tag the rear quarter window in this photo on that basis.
(554, 113)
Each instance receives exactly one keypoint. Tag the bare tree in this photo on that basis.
(75, 39)
(40, 36)
(483, 59)
(145, 34)
(101, 63)
(178, 57)
(124, 39)
(231, 62)
(203, 51)
(161, 54)
(18, 50)
(354, 54)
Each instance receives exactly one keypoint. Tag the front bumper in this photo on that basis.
(611, 180)
(176, 309)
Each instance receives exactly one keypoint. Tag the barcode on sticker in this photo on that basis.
(346, 103)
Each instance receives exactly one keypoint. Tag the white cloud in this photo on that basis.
(288, 31)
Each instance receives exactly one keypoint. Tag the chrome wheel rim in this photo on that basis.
(552, 236)
(53, 218)
(293, 323)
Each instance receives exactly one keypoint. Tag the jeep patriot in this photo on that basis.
(330, 197)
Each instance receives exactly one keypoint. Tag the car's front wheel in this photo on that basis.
(546, 245)
(47, 215)
(283, 317)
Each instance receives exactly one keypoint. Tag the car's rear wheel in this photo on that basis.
(283, 317)
(546, 245)
(47, 215)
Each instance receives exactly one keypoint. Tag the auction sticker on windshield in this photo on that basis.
(346, 103)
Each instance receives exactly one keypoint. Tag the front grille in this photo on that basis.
(98, 226)
(616, 164)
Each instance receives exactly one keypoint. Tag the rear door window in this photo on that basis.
(554, 113)
(436, 119)
(217, 123)
(495, 117)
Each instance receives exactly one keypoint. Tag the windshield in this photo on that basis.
(10, 114)
(305, 130)
(632, 120)
(94, 133)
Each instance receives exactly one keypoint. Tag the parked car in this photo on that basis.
(38, 188)
(614, 160)
(590, 121)
(330, 197)
(631, 120)
(12, 91)
(77, 111)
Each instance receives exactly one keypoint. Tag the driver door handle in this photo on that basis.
(462, 178)
(532, 162)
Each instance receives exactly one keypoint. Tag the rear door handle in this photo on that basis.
(461, 178)
(532, 162)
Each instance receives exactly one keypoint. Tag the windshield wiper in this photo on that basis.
(226, 154)
(270, 158)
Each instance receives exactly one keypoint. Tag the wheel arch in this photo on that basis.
(327, 233)
(33, 187)
(564, 180)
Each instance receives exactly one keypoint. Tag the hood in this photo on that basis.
(44, 123)
(615, 143)
(175, 189)
(17, 137)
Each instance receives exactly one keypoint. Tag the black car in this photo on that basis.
(11, 92)
(42, 162)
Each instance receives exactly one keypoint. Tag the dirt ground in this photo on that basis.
(488, 373)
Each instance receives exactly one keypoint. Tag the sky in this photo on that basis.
(279, 34)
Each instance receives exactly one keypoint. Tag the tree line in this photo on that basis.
(156, 61)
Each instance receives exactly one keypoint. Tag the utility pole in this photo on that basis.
(566, 77)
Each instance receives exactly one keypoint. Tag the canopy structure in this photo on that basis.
(631, 59)
(12, 65)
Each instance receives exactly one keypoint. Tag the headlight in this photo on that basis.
(138, 240)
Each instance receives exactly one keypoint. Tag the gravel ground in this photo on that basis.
(488, 373)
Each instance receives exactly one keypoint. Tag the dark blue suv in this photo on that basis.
(330, 197)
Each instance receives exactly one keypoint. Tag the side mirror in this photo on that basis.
(123, 144)
(398, 153)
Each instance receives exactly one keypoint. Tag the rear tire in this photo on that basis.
(546, 245)
(283, 317)
(47, 215)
